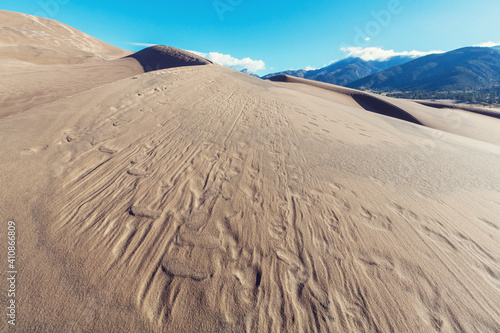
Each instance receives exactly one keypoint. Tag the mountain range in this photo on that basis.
(462, 69)
(468, 68)
(345, 71)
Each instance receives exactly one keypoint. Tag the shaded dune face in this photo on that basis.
(161, 57)
(365, 100)
(376, 105)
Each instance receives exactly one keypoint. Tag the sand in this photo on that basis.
(36, 40)
(200, 199)
(475, 123)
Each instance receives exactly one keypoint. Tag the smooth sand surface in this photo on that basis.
(447, 104)
(201, 199)
(25, 88)
(475, 123)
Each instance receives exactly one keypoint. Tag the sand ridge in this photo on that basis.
(470, 122)
(161, 57)
(492, 112)
(36, 85)
(38, 40)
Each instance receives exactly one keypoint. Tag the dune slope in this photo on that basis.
(25, 88)
(161, 57)
(30, 39)
(201, 199)
(475, 123)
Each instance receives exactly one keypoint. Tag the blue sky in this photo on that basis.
(278, 35)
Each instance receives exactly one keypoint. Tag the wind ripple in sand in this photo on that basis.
(219, 211)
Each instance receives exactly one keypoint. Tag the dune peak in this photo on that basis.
(161, 57)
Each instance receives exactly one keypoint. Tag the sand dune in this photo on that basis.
(470, 122)
(492, 112)
(30, 39)
(367, 101)
(161, 57)
(201, 199)
(26, 88)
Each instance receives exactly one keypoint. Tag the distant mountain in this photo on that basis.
(297, 73)
(345, 71)
(246, 71)
(351, 69)
(462, 69)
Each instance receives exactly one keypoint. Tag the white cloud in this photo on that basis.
(310, 68)
(229, 61)
(487, 44)
(142, 44)
(379, 54)
(201, 54)
(368, 39)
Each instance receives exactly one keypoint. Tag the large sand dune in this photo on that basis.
(25, 88)
(36, 40)
(201, 199)
(471, 122)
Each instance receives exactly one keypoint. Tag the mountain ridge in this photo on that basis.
(346, 70)
(461, 69)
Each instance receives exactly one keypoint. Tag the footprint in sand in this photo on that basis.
(138, 173)
(107, 150)
(376, 222)
(71, 137)
(144, 212)
(34, 150)
(177, 268)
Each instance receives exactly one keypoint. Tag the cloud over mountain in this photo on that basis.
(379, 54)
(141, 44)
(488, 44)
(229, 61)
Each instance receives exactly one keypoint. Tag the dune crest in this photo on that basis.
(37, 40)
(161, 57)
(478, 124)
(367, 101)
